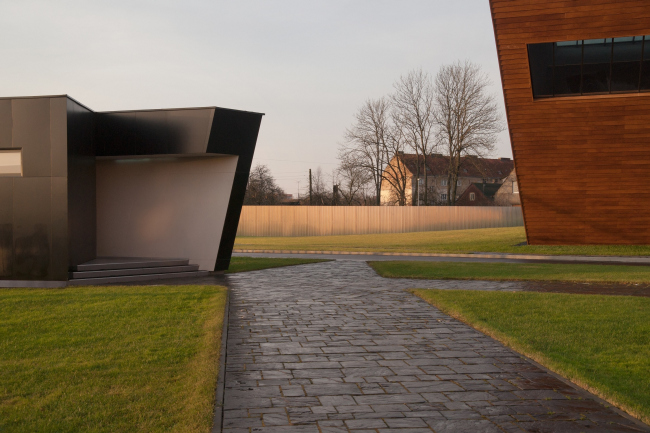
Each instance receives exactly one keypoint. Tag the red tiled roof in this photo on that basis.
(469, 166)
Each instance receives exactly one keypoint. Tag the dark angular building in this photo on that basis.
(90, 197)
(576, 81)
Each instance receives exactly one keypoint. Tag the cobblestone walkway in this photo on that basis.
(332, 347)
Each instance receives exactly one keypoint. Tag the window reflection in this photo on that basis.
(626, 67)
(568, 66)
(645, 66)
(592, 66)
(596, 65)
(541, 66)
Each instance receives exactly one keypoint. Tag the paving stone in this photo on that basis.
(275, 419)
(333, 347)
(337, 400)
(365, 423)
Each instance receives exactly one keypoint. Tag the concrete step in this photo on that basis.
(135, 278)
(113, 263)
(133, 271)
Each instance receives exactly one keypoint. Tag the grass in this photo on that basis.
(599, 342)
(513, 271)
(109, 359)
(499, 240)
(244, 264)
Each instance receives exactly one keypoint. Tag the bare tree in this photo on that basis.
(467, 117)
(261, 188)
(365, 141)
(395, 173)
(413, 111)
(353, 181)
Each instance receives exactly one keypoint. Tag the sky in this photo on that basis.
(307, 64)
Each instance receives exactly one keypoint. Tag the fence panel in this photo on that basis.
(344, 220)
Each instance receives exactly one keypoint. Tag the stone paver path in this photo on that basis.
(332, 347)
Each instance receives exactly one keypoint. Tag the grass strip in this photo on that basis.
(513, 271)
(599, 342)
(109, 359)
(244, 264)
(496, 240)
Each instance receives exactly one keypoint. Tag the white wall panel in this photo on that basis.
(163, 207)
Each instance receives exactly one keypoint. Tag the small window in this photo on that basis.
(645, 67)
(421, 181)
(626, 67)
(596, 65)
(472, 196)
(541, 68)
(443, 197)
(11, 163)
(568, 67)
(515, 187)
(458, 183)
(444, 182)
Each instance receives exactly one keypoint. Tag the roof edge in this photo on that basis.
(179, 109)
(128, 111)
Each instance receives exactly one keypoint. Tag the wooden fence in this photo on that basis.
(357, 220)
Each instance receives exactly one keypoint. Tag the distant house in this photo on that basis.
(472, 170)
(479, 194)
(508, 194)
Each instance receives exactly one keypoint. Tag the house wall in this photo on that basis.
(582, 162)
(163, 207)
(437, 188)
(506, 196)
(33, 207)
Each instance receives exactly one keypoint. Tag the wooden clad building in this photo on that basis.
(576, 81)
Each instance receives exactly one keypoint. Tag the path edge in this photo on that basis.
(619, 260)
(217, 419)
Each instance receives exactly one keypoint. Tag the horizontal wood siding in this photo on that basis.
(357, 220)
(582, 162)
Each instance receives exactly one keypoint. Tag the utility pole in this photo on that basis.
(310, 202)
(336, 195)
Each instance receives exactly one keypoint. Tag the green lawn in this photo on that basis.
(500, 240)
(244, 264)
(513, 271)
(600, 342)
(109, 359)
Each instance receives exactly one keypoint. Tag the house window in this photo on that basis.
(458, 183)
(420, 181)
(11, 163)
(472, 196)
(443, 197)
(444, 182)
(515, 187)
(594, 66)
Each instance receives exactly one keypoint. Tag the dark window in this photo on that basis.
(645, 72)
(541, 69)
(596, 65)
(568, 67)
(626, 65)
(592, 66)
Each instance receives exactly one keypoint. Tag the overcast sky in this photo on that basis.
(307, 64)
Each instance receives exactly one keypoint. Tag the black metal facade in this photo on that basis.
(48, 215)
